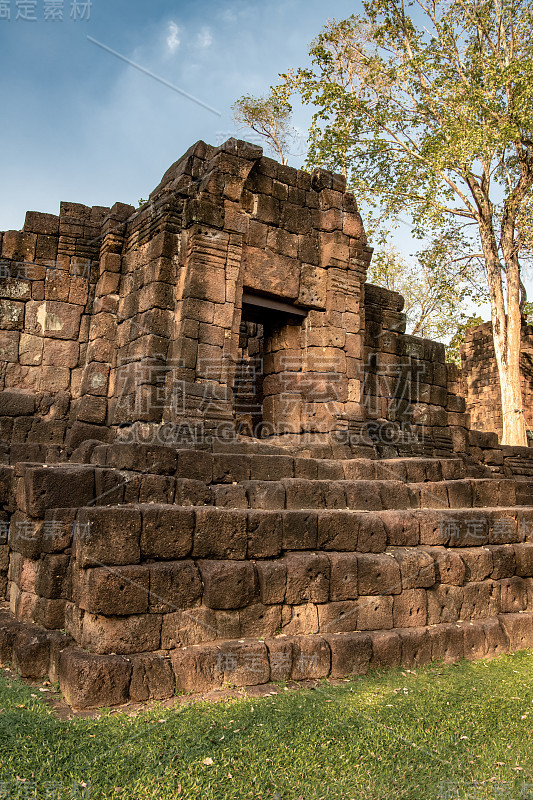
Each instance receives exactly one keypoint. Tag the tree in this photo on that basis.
(429, 107)
(269, 116)
(453, 350)
(434, 298)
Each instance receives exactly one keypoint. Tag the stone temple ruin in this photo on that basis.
(224, 461)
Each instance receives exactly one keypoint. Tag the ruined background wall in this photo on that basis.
(408, 391)
(479, 382)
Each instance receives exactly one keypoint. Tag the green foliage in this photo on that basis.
(426, 107)
(432, 303)
(453, 350)
(528, 312)
(436, 287)
(411, 114)
(438, 731)
(270, 117)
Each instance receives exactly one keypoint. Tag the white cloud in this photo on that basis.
(205, 38)
(173, 38)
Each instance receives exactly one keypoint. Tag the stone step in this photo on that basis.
(89, 680)
(121, 535)
(39, 488)
(227, 467)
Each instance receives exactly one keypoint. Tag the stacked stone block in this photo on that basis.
(480, 383)
(407, 389)
(179, 569)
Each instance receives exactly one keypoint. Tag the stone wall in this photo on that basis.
(175, 569)
(407, 392)
(224, 461)
(479, 381)
(122, 316)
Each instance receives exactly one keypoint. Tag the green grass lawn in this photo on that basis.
(462, 731)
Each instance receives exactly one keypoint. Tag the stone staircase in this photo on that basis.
(152, 569)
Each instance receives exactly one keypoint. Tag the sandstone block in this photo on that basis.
(375, 613)
(402, 528)
(174, 585)
(258, 620)
(152, 678)
(308, 577)
(447, 643)
(89, 681)
(519, 629)
(386, 649)
(444, 604)
(50, 576)
(378, 574)
(108, 536)
(57, 487)
(280, 656)
(524, 559)
(338, 530)
(167, 532)
(272, 577)
(343, 578)
(227, 584)
(496, 638)
(410, 609)
(136, 633)
(113, 591)
(265, 537)
(503, 561)
(338, 616)
(513, 595)
(299, 530)
(481, 600)
(220, 533)
(417, 567)
(478, 563)
(265, 494)
(302, 619)
(31, 653)
(311, 658)
(449, 566)
(53, 319)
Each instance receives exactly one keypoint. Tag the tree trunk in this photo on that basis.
(514, 426)
(506, 334)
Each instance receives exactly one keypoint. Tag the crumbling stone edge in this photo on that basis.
(88, 681)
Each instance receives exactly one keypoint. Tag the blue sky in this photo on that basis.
(79, 124)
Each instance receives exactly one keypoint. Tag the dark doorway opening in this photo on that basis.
(261, 320)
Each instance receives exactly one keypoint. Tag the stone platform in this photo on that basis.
(153, 570)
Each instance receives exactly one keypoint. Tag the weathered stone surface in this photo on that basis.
(113, 590)
(265, 534)
(89, 681)
(152, 678)
(31, 653)
(135, 633)
(410, 609)
(174, 585)
(108, 536)
(220, 533)
(378, 574)
(167, 532)
(308, 577)
(62, 487)
(278, 459)
(227, 584)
